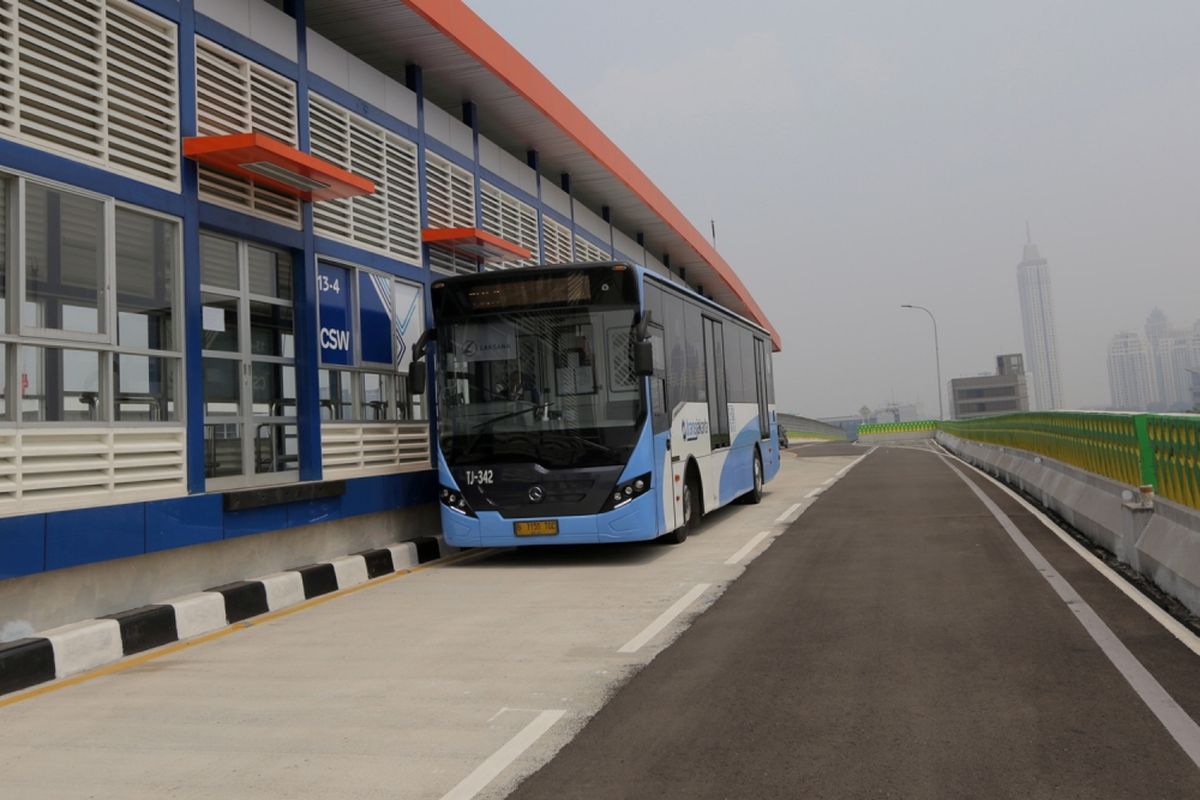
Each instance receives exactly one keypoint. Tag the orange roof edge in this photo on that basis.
(463, 26)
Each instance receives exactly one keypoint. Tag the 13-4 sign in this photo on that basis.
(333, 284)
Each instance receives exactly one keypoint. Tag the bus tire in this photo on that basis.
(754, 496)
(691, 510)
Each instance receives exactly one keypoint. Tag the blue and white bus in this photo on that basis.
(593, 403)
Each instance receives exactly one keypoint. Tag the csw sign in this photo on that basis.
(333, 299)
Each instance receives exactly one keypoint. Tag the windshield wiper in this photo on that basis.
(509, 415)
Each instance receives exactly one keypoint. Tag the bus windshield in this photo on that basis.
(552, 385)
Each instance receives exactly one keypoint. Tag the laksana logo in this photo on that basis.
(693, 429)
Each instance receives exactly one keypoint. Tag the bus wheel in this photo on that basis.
(754, 496)
(691, 512)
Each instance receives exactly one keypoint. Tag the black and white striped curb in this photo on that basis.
(81, 646)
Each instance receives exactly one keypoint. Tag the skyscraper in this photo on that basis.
(1037, 321)
(1130, 376)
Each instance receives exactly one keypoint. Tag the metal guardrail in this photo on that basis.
(1159, 450)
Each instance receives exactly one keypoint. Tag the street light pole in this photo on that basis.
(937, 356)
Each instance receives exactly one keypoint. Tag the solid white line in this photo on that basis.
(1183, 728)
(496, 763)
(664, 619)
(829, 481)
(1173, 626)
(813, 493)
(746, 548)
(782, 518)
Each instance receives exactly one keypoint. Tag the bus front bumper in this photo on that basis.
(635, 521)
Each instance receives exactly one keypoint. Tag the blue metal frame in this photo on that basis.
(533, 159)
(192, 341)
(305, 298)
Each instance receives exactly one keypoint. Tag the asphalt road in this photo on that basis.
(894, 642)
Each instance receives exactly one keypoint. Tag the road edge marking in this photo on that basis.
(782, 519)
(1174, 627)
(745, 549)
(500, 760)
(1178, 723)
(664, 619)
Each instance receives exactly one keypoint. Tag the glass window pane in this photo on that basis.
(274, 390)
(219, 322)
(271, 330)
(59, 385)
(3, 381)
(411, 407)
(147, 260)
(334, 388)
(376, 397)
(222, 449)
(64, 260)
(219, 262)
(275, 448)
(222, 387)
(270, 273)
(145, 388)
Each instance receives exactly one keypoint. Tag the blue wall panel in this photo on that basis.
(308, 512)
(22, 545)
(95, 534)
(179, 523)
(255, 520)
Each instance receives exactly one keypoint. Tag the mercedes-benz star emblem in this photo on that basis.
(536, 494)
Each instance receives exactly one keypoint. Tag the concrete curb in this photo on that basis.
(82, 646)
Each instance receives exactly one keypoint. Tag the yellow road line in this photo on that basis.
(166, 650)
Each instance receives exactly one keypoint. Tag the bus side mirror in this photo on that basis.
(416, 368)
(643, 358)
(416, 378)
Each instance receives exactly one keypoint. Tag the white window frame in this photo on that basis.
(105, 344)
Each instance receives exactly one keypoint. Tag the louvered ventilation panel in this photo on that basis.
(57, 468)
(387, 221)
(586, 251)
(235, 95)
(93, 81)
(450, 198)
(509, 218)
(558, 242)
(353, 449)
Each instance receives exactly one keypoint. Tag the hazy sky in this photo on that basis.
(860, 155)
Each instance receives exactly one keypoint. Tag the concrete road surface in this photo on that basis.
(897, 643)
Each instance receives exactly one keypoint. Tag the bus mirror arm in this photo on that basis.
(416, 368)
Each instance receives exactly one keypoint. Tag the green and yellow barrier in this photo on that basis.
(1159, 450)
(884, 428)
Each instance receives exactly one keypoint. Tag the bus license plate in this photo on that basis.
(540, 528)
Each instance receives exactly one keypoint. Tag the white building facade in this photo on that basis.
(1129, 372)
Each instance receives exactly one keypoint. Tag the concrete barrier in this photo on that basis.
(891, 437)
(1162, 541)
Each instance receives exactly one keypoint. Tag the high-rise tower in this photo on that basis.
(1037, 320)
(1129, 373)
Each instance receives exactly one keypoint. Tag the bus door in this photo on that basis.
(660, 420)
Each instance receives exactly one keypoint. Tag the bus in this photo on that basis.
(592, 403)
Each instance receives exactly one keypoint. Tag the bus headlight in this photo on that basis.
(627, 491)
(454, 501)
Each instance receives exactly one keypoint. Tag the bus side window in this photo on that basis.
(658, 383)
